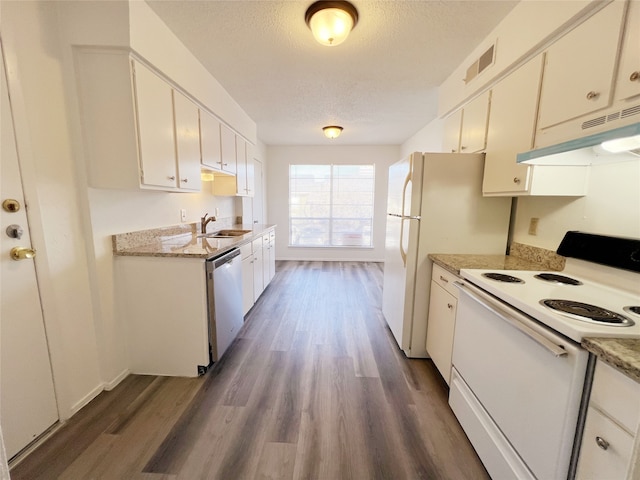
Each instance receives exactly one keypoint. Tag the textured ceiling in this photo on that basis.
(380, 85)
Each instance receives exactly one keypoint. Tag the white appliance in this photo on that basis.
(520, 379)
(434, 205)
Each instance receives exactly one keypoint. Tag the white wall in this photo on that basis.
(427, 139)
(71, 223)
(611, 207)
(280, 157)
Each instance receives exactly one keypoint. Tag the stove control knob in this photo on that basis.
(602, 443)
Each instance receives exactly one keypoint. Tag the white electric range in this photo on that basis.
(520, 378)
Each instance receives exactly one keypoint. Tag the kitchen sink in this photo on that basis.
(225, 234)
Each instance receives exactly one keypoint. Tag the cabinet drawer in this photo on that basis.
(445, 279)
(245, 250)
(598, 462)
(616, 395)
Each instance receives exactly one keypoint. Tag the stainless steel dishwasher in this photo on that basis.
(224, 296)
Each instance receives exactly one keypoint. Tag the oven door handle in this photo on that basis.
(512, 317)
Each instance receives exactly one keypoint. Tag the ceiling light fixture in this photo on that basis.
(332, 131)
(331, 21)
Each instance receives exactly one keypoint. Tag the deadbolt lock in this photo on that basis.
(11, 205)
(14, 231)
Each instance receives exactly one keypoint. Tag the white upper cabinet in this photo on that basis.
(241, 166)
(580, 68)
(452, 124)
(187, 131)
(251, 171)
(210, 141)
(475, 117)
(628, 83)
(154, 118)
(465, 131)
(514, 103)
(228, 150)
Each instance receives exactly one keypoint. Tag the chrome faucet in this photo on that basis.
(204, 221)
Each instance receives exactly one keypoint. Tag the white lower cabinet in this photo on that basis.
(258, 269)
(246, 253)
(442, 320)
(163, 303)
(610, 434)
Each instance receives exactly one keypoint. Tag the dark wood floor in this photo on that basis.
(314, 387)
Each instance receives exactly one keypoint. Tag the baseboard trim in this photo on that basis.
(86, 399)
(108, 386)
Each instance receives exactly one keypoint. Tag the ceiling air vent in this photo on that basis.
(611, 117)
(481, 64)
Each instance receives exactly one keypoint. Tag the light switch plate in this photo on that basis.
(183, 214)
(533, 226)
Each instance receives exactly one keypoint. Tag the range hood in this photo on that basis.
(618, 145)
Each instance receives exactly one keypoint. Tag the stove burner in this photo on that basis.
(632, 309)
(555, 278)
(501, 277)
(587, 313)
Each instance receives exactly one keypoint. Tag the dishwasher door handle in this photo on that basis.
(512, 317)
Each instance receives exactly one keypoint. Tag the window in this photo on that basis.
(331, 205)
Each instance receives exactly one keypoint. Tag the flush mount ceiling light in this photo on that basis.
(332, 131)
(331, 21)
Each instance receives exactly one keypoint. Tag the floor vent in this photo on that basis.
(611, 117)
(481, 64)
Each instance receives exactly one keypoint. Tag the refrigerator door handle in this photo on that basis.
(404, 190)
(403, 254)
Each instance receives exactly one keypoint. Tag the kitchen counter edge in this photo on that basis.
(622, 354)
(192, 245)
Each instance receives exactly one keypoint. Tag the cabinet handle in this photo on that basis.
(602, 443)
(516, 180)
(449, 306)
(172, 177)
(591, 95)
(185, 180)
(453, 150)
(635, 76)
(444, 279)
(462, 148)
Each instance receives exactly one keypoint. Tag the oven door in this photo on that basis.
(519, 382)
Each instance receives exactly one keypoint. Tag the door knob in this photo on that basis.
(22, 253)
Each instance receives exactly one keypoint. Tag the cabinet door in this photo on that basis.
(228, 150)
(475, 116)
(628, 84)
(579, 69)
(247, 284)
(514, 106)
(440, 327)
(266, 260)
(606, 449)
(452, 124)
(241, 166)
(251, 174)
(258, 276)
(272, 255)
(210, 141)
(154, 116)
(187, 131)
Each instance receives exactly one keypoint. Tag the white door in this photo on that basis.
(27, 398)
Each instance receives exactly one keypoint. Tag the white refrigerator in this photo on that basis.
(435, 205)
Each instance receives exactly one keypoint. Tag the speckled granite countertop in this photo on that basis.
(523, 257)
(455, 262)
(621, 353)
(182, 241)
